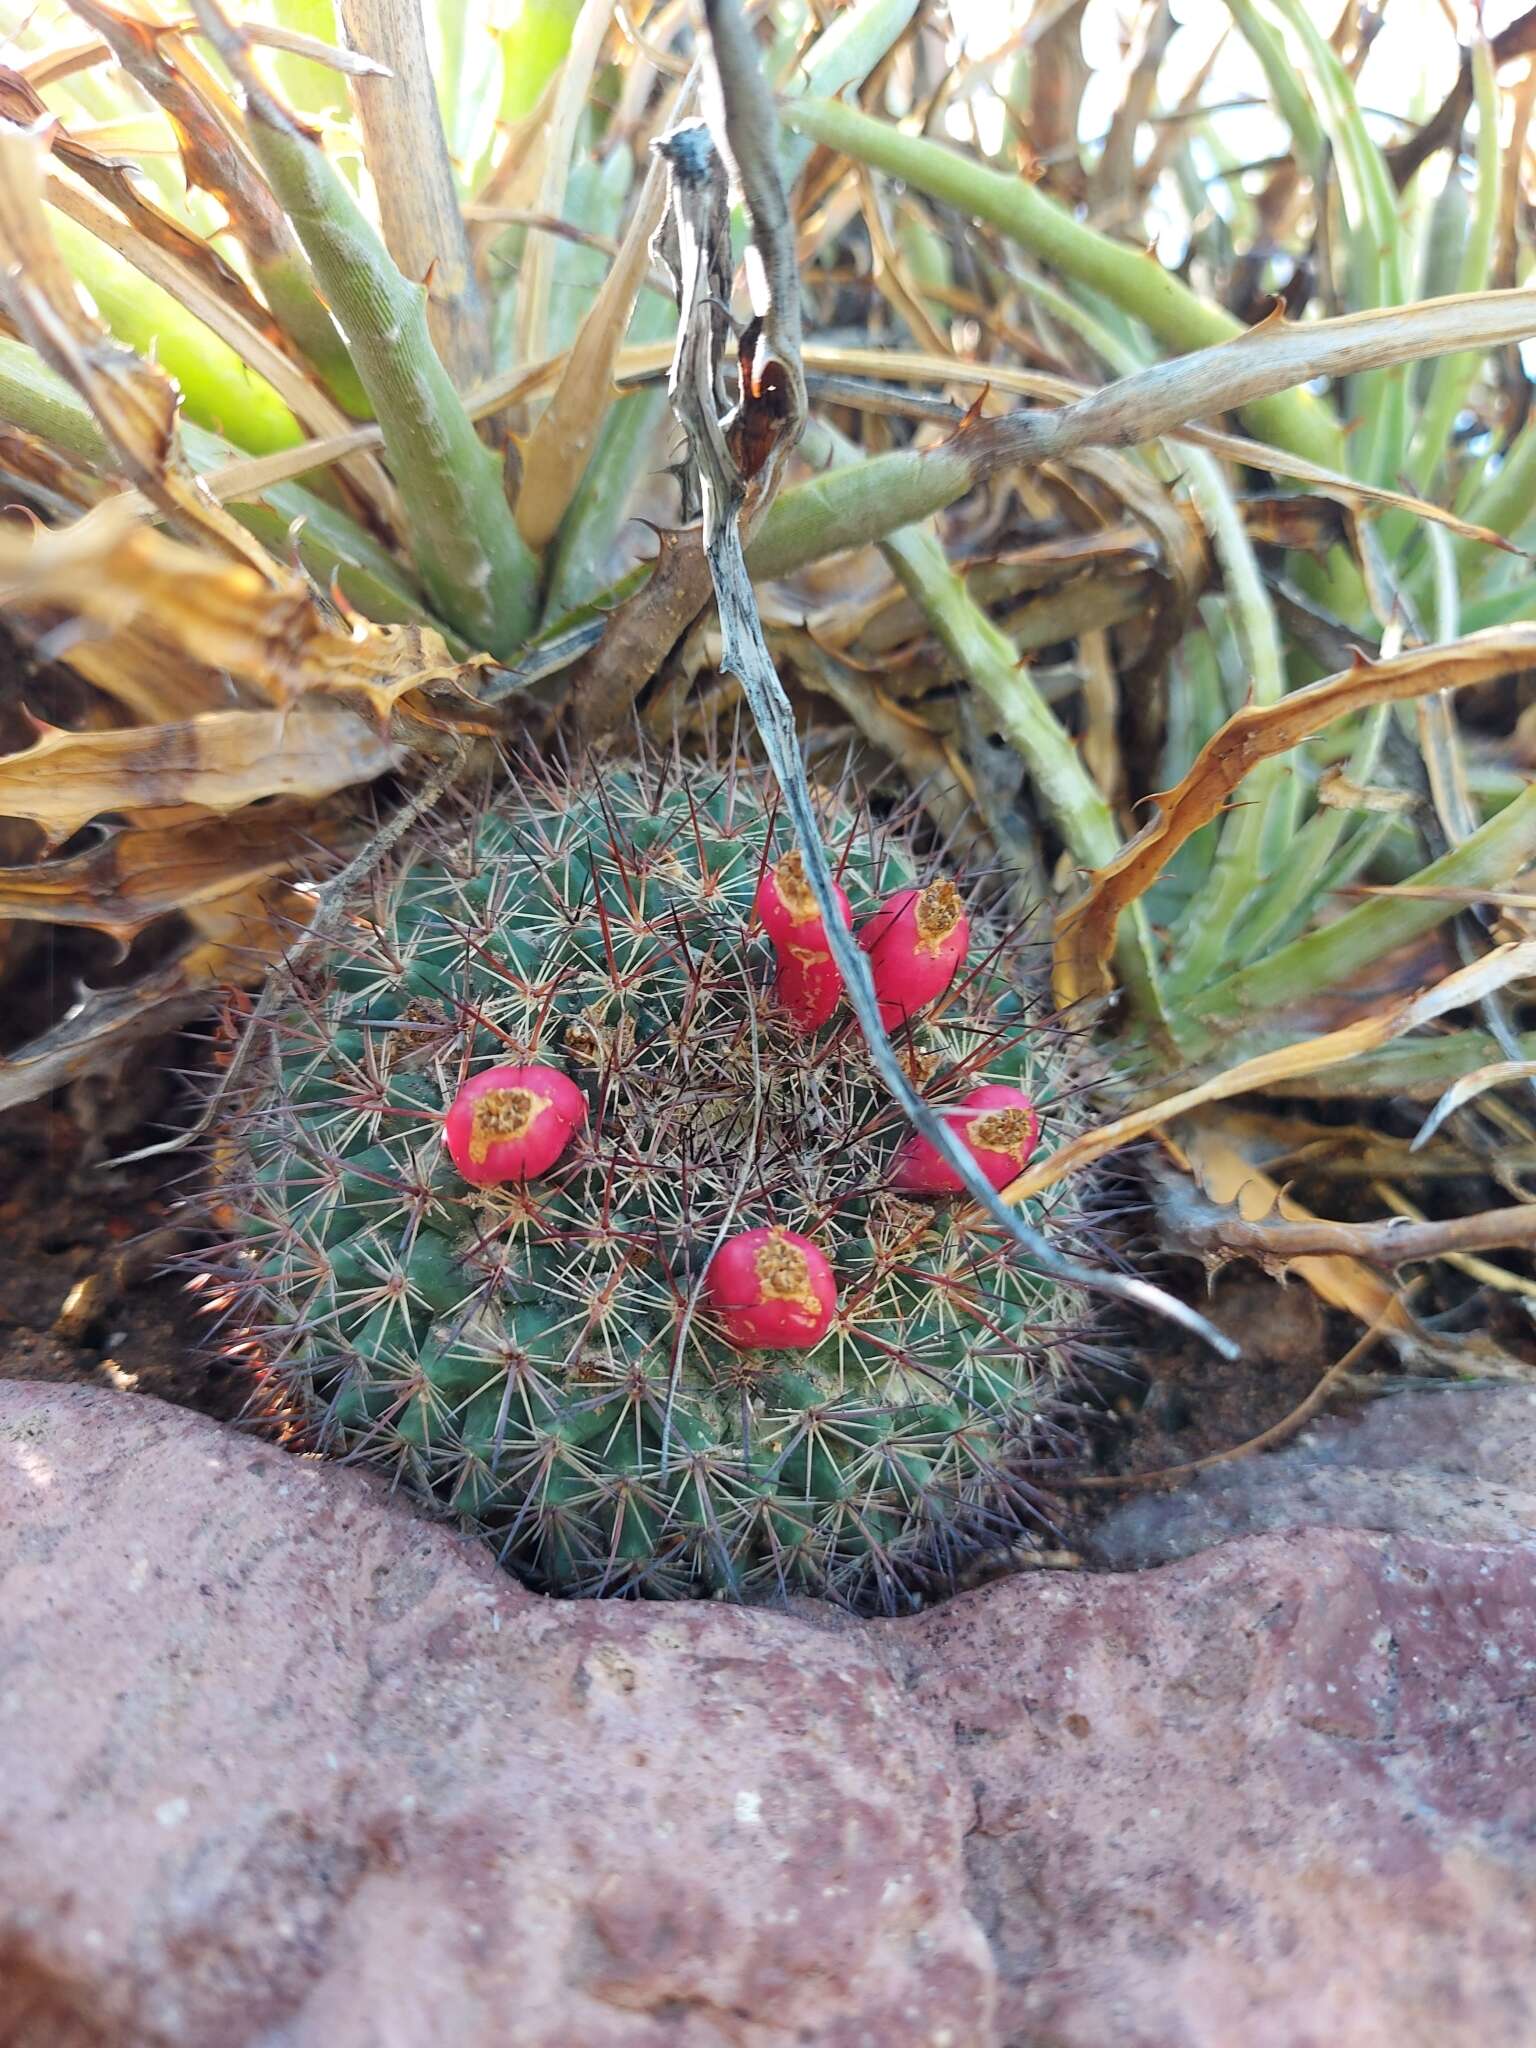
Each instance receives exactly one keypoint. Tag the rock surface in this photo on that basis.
(281, 1766)
(1461, 1467)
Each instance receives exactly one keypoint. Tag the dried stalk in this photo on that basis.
(849, 508)
(766, 414)
(1196, 1224)
(407, 156)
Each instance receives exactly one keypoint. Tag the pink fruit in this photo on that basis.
(787, 910)
(998, 1127)
(512, 1123)
(809, 987)
(916, 941)
(772, 1290)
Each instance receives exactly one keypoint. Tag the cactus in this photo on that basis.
(600, 1361)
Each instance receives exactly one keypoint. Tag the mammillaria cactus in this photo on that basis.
(528, 1165)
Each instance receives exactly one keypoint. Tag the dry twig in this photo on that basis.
(729, 455)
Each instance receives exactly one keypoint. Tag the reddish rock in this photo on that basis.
(1458, 1466)
(282, 1766)
(1282, 1794)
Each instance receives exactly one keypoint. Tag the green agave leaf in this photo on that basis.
(1133, 280)
(465, 542)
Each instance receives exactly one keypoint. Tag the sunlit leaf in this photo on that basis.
(1085, 937)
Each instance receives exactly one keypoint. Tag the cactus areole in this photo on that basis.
(552, 1209)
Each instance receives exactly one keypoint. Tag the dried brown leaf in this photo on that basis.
(1181, 540)
(1467, 985)
(351, 63)
(29, 459)
(292, 382)
(913, 367)
(556, 452)
(1427, 892)
(109, 176)
(899, 291)
(135, 875)
(1343, 490)
(1085, 938)
(205, 623)
(514, 181)
(1461, 1092)
(240, 935)
(104, 1023)
(407, 156)
(60, 61)
(134, 664)
(1287, 1239)
(1340, 1276)
(1233, 1181)
(217, 762)
(135, 403)
(589, 31)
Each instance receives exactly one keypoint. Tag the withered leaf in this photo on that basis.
(1242, 1189)
(1470, 984)
(218, 762)
(21, 103)
(557, 450)
(133, 876)
(199, 622)
(1497, 1074)
(241, 934)
(1085, 937)
(135, 403)
(103, 1023)
(1233, 1181)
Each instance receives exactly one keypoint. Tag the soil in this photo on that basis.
(86, 1294)
(1193, 1403)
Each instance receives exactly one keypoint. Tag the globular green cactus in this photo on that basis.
(543, 1358)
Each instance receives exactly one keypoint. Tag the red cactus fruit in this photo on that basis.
(787, 910)
(807, 983)
(998, 1127)
(916, 941)
(809, 987)
(512, 1123)
(772, 1290)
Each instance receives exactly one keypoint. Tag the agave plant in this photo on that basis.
(335, 392)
